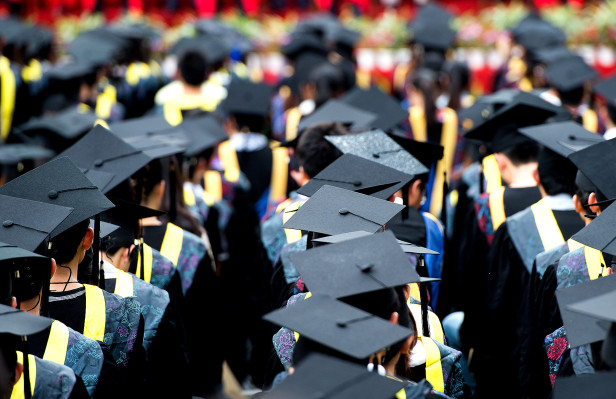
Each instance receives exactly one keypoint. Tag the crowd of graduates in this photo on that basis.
(173, 227)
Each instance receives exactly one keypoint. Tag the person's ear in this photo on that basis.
(393, 319)
(13, 302)
(592, 198)
(19, 369)
(536, 176)
(500, 161)
(407, 292)
(86, 242)
(53, 268)
(161, 189)
(126, 254)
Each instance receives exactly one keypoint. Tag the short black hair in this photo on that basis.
(249, 123)
(571, 97)
(314, 153)
(523, 153)
(557, 174)
(193, 68)
(64, 246)
(611, 111)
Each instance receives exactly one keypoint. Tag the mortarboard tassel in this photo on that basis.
(27, 389)
(423, 293)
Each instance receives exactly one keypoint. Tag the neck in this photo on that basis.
(192, 90)
(390, 366)
(522, 176)
(66, 273)
(32, 306)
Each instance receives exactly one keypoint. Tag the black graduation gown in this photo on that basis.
(201, 316)
(497, 352)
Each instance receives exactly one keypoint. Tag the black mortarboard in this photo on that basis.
(378, 147)
(244, 97)
(302, 44)
(607, 89)
(406, 246)
(339, 326)
(93, 50)
(68, 124)
(356, 266)
(535, 33)
(358, 174)
(599, 385)
(500, 131)
(320, 376)
(20, 323)
(28, 223)
(388, 110)
(484, 108)
(105, 228)
(343, 37)
(337, 111)
(569, 73)
(551, 55)
(333, 210)
(426, 152)
(431, 27)
(74, 70)
(600, 234)
(597, 163)
(125, 216)
(101, 150)
(139, 126)
(60, 182)
(161, 143)
(582, 327)
(202, 132)
(11, 154)
(563, 138)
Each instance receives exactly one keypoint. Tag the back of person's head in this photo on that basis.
(329, 80)
(65, 245)
(8, 362)
(193, 68)
(250, 123)
(556, 173)
(611, 112)
(314, 153)
(523, 153)
(426, 82)
(459, 78)
(571, 97)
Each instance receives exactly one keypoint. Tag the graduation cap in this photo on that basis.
(333, 210)
(607, 89)
(431, 27)
(60, 182)
(68, 124)
(569, 73)
(139, 126)
(319, 25)
(535, 33)
(551, 55)
(355, 267)
(427, 153)
(93, 50)
(582, 327)
(596, 163)
(588, 386)
(247, 98)
(28, 223)
(100, 150)
(320, 376)
(125, 216)
(563, 138)
(501, 130)
(388, 110)
(213, 51)
(407, 247)
(301, 44)
(201, 132)
(339, 326)
(600, 234)
(358, 174)
(378, 147)
(160, 144)
(333, 110)
(11, 154)
(74, 70)
(20, 323)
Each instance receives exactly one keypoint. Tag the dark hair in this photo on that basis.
(313, 151)
(64, 246)
(193, 68)
(611, 111)
(459, 77)
(329, 80)
(557, 174)
(425, 81)
(571, 97)
(249, 123)
(8, 354)
(523, 153)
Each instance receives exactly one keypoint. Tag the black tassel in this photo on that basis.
(423, 293)
(95, 250)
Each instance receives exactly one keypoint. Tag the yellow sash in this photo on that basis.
(172, 109)
(281, 207)
(124, 284)
(213, 184)
(293, 117)
(436, 330)
(147, 262)
(525, 85)
(547, 226)
(449, 138)
(57, 344)
(137, 71)
(497, 207)
(590, 121)
(415, 294)
(96, 314)
(18, 389)
(172, 243)
(7, 97)
(280, 173)
(594, 259)
(363, 78)
(228, 157)
(491, 173)
(400, 73)
(434, 368)
(33, 72)
(189, 197)
(105, 101)
(418, 123)
(292, 234)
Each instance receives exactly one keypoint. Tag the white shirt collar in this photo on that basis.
(559, 202)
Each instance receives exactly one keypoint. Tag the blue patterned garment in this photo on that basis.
(85, 357)
(53, 381)
(572, 269)
(284, 339)
(192, 252)
(153, 302)
(555, 345)
(273, 235)
(162, 270)
(121, 326)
